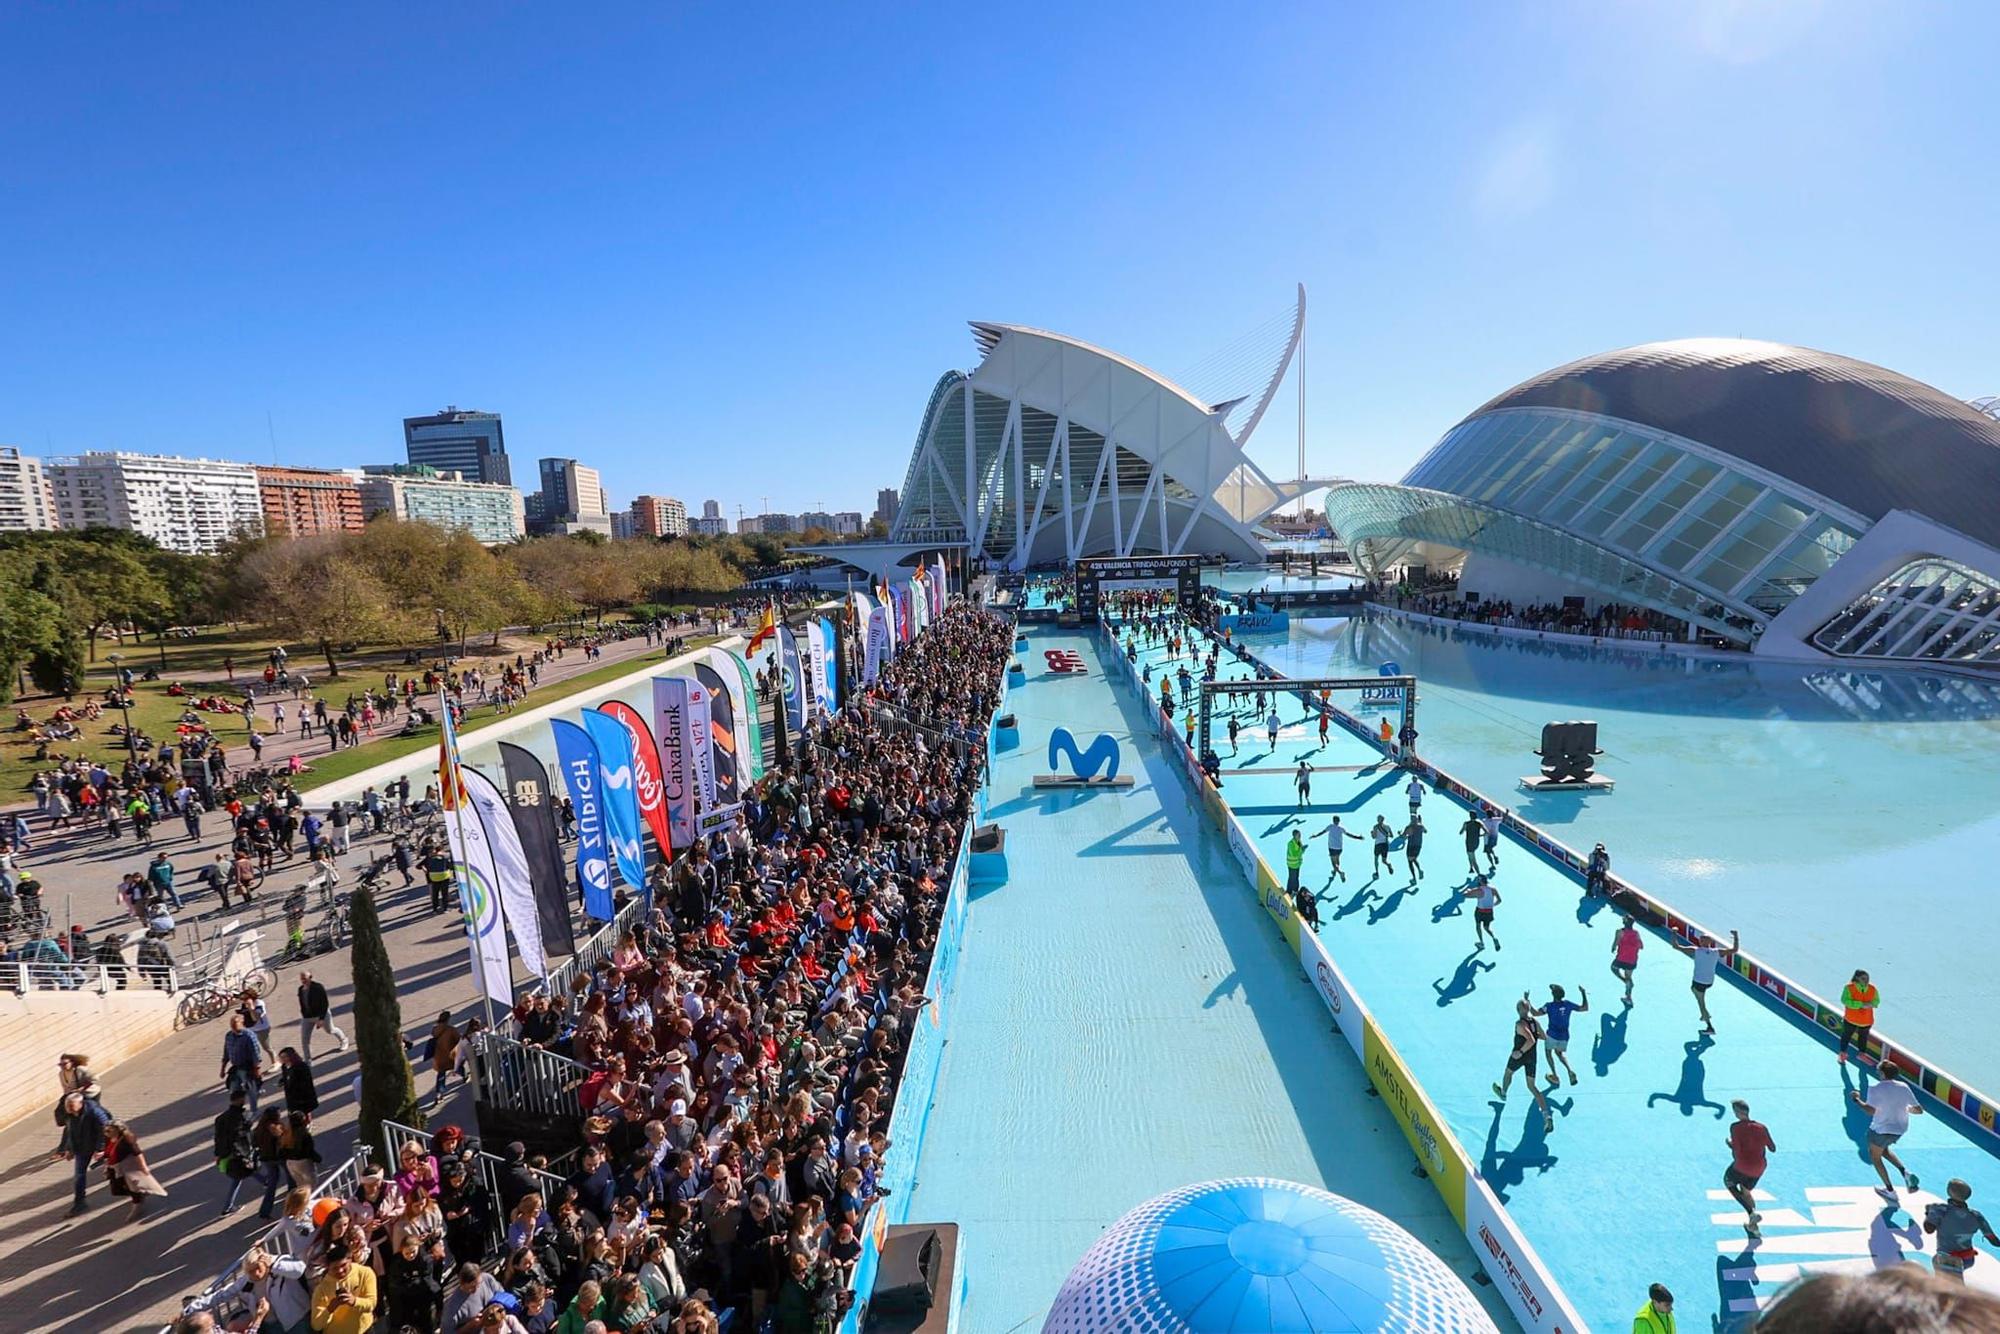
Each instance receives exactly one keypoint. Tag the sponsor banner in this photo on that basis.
(1276, 902)
(831, 668)
(479, 902)
(621, 800)
(513, 879)
(1422, 1126)
(528, 799)
(723, 738)
(791, 675)
(749, 718)
(645, 774)
(1519, 1274)
(1257, 622)
(1244, 850)
(671, 724)
(700, 743)
(576, 756)
(1331, 984)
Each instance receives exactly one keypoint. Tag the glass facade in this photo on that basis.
(1696, 518)
(1931, 610)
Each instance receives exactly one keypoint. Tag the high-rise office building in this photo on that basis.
(489, 511)
(25, 502)
(623, 525)
(659, 516)
(709, 525)
(300, 502)
(886, 503)
(711, 509)
(468, 443)
(189, 505)
(572, 499)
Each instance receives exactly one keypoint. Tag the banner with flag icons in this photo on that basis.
(479, 902)
(582, 774)
(876, 650)
(530, 802)
(513, 882)
(621, 798)
(646, 780)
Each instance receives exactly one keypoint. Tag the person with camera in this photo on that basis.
(343, 1301)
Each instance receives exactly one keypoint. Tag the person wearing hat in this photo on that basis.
(516, 1180)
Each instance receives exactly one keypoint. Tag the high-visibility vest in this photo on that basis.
(1860, 1004)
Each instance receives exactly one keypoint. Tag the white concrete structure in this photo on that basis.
(26, 504)
(190, 505)
(1052, 449)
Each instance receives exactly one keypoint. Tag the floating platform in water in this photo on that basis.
(1071, 780)
(1594, 783)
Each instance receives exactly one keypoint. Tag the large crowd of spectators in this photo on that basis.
(1609, 620)
(740, 1048)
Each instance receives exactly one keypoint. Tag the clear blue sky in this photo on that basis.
(725, 250)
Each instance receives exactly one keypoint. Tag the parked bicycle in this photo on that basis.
(243, 969)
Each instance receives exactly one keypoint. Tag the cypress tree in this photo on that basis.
(388, 1089)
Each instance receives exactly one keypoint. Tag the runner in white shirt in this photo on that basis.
(1382, 833)
(1415, 791)
(1890, 1105)
(1334, 834)
(1485, 900)
(1708, 952)
(1491, 820)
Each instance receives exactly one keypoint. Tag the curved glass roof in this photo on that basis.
(1867, 438)
(1381, 524)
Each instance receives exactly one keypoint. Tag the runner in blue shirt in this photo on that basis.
(1557, 1012)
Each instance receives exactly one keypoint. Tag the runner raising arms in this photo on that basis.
(1334, 833)
(1527, 1037)
(1558, 1012)
(1708, 952)
(1625, 946)
(1485, 900)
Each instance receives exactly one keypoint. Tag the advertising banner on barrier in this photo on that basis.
(1331, 984)
(1278, 904)
(1500, 1249)
(1422, 1126)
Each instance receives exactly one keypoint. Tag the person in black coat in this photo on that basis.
(413, 1279)
(296, 1077)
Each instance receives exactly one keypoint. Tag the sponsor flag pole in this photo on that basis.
(454, 798)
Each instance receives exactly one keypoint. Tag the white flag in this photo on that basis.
(516, 882)
(479, 901)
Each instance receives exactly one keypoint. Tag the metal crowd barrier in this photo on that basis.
(23, 977)
(224, 1296)
(560, 985)
(488, 1167)
(515, 1076)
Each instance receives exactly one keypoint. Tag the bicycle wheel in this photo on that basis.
(260, 980)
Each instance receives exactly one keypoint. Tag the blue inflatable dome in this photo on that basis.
(1254, 1254)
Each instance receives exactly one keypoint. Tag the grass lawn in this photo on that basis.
(155, 713)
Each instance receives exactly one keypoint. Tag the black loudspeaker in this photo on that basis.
(988, 838)
(906, 1277)
(1569, 751)
(1006, 722)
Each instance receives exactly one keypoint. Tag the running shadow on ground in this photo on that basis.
(1609, 1044)
(1693, 1089)
(1463, 980)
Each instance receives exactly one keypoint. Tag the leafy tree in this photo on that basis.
(106, 583)
(33, 629)
(388, 1089)
(318, 591)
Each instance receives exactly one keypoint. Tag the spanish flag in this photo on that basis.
(766, 627)
(451, 783)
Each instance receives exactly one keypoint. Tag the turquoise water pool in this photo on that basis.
(1839, 820)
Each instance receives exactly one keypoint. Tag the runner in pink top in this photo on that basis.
(1625, 947)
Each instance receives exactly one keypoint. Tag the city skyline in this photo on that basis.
(1665, 187)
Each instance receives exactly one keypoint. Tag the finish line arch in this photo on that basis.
(1307, 688)
(1092, 572)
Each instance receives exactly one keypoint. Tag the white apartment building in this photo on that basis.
(25, 502)
(189, 505)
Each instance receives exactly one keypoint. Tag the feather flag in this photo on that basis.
(766, 627)
(451, 775)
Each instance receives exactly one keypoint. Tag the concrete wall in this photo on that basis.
(39, 1026)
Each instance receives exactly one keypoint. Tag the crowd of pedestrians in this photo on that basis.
(740, 1049)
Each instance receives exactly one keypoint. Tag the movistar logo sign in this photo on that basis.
(1103, 753)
